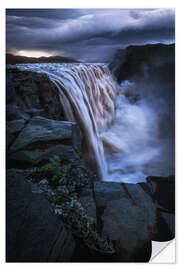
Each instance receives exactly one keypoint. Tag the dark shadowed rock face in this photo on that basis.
(129, 219)
(32, 92)
(14, 112)
(32, 134)
(147, 61)
(163, 193)
(130, 216)
(163, 190)
(33, 234)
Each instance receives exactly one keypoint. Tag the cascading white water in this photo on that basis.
(87, 93)
(119, 134)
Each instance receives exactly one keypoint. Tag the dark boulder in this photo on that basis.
(36, 141)
(33, 233)
(126, 215)
(163, 190)
(29, 158)
(40, 129)
(163, 193)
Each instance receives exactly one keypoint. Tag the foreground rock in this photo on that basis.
(40, 138)
(163, 193)
(163, 190)
(126, 214)
(130, 216)
(33, 234)
(36, 156)
(40, 129)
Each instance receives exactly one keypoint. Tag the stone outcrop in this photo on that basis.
(33, 233)
(39, 139)
(146, 61)
(34, 127)
(36, 156)
(129, 215)
(32, 92)
(163, 193)
(42, 130)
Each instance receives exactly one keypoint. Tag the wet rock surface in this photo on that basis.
(130, 216)
(33, 233)
(126, 214)
(39, 130)
(30, 142)
(32, 91)
(36, 156)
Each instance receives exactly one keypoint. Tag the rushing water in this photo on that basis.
(120, 130)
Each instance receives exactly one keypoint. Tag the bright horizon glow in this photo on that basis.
(33, 53)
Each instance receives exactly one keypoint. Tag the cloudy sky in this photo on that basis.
(91, 35)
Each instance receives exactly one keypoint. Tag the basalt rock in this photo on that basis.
(163, 190)
(33, 233)
(29, 158)
(40, 139)
(15, 125)
(126, 214)
(40, 130)
(147, 61)
(163, 193)
(14, 112)
(32, 91)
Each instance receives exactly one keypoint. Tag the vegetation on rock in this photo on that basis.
(63, 183)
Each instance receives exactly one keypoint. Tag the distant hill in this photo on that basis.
(16, 59)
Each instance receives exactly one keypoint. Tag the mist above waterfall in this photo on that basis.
(124, 127)
(141, 133)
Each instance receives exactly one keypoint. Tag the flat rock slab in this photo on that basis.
(35, 157)
(40, 129)
(33, 233)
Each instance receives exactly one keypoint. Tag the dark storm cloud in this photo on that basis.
(89, 34)
(59, 14)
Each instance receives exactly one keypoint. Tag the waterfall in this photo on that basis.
(87, 94)
(119, 125)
